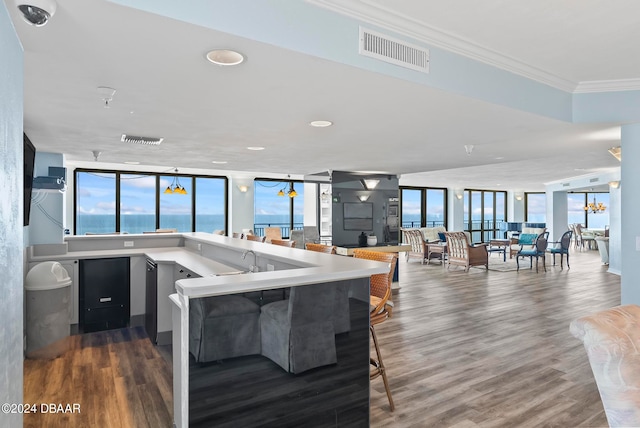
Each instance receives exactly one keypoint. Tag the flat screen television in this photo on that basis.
(29, 161)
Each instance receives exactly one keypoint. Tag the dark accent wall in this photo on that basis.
(346, 188)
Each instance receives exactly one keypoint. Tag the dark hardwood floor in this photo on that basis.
(117, 377)
(476, 349)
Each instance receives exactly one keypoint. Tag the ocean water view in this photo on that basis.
(139, 223)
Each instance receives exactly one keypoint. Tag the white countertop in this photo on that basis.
(312, 267)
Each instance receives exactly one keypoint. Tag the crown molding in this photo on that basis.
(368, 11)
(608, 86)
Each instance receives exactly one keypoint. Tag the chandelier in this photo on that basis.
(595, 207)
(290, 193)
(175, 186)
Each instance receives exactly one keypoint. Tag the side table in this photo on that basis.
(437, 250)
(499, 246)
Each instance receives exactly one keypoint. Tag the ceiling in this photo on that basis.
(165, 88)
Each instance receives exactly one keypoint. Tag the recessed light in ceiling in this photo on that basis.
(255, 148)
(132, 163)
(225, 57)
(320, 123)
(219, 162)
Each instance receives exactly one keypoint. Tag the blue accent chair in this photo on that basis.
(538, 250)
(563, 248)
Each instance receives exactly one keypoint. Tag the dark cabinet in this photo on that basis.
(104, 293)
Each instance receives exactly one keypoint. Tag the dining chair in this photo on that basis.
(296, 333)
(562, 247)
(321, 248)
(272, 233)
(256, 238)
(538, 251)
(381, 309)
(341, 309)
(284, 242)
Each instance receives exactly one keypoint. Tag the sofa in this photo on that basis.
(430, 234)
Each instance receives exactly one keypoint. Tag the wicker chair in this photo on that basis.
(414, 238)
(381, 309)
(321, 248)
(284, 243)
(462, 253)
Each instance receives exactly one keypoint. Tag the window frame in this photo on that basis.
(287, 183)
(424, 204)
(526, 205)
(469, 220)
(119, 173)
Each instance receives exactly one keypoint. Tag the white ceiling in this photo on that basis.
(165, 88)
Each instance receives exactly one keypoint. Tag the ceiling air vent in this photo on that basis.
(141, 140)
(394, 51)
(566, 184)
(593, 180)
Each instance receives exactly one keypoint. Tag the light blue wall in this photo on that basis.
(621, 107)
(630, 182)
(11, 221)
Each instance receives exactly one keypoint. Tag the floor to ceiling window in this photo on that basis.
(484, 213)
(278, 204)
(128, 202)
(176, 208)
(137, 203)
(535, 206)
(576, 213)
(95, 203)
(423, 207)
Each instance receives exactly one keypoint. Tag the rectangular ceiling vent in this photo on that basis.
(593, 180)
(149, 141)
(393, 51)
(566, 184)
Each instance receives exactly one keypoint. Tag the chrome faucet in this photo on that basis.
(253, 267)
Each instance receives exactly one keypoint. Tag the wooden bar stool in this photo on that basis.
(381, 308)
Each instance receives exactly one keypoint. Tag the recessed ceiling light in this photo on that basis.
(500, 157)
(320, 123)
(225, 57)
(132, 163)
(255, 148)
(219, 162)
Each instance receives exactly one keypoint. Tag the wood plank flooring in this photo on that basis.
(117, 377)
(476, 349)
(492, 349)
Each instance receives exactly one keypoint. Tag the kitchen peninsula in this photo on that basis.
(335, 394)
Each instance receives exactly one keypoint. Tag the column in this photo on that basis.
(630, 226)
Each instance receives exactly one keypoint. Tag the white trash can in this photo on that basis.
(48, 296)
